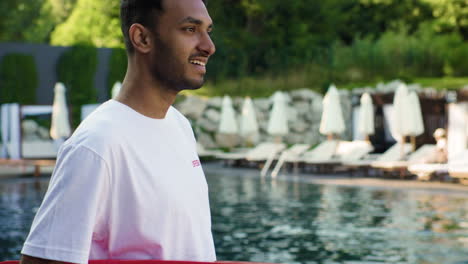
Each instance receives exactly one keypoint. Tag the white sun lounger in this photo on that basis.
(289, 155)
(458, 167)
(424, 171)
(421, 155)
(262, 152)
(393, 154)
(321, 153)
(203, 152)
(390, 155)
(350, 151)
(336, 153)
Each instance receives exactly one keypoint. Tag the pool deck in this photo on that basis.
(341, 179)
(9, 167)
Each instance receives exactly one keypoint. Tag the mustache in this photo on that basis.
(200, 54)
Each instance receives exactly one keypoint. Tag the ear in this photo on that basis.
(140, 38)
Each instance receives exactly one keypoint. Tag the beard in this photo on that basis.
(169, 71)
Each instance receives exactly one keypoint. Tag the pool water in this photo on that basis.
(294, 221)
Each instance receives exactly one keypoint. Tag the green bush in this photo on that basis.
(18, 79)
(76, 68)
(117, 67)
(394, 55)
(458, 60)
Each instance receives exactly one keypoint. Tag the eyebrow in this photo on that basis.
(193, 20)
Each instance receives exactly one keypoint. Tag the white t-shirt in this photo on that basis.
(125, 186)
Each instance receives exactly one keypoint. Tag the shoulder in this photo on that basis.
(183, 123)
(99, 130)
(180, 118)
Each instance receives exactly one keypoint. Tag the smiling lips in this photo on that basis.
(199, 64)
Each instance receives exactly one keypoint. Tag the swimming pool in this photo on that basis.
(294, 221)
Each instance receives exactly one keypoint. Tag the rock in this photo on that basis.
(237, 103)
(43, 133)
(316, 109)
(304, 94)
(192, 107)
(302, 108)
(388, 87)
(416, 87)
(215, 102)
(206, 140)
(212, 115)
(226, 140)
(250, 140)
(263, 126)
(262, 116)
(294, 138)
(299, 126)
(292, 115)
(207, 125)
(262, 104)
(29, 128)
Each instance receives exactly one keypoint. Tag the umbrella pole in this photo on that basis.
(277, 139)
(330, 137)
(413, 142)
(402, 149)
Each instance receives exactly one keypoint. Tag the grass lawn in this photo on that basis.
(266, 86)
(451, 83)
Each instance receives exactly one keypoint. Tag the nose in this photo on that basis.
(206, 45)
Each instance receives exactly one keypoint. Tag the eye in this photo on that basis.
(190, 29)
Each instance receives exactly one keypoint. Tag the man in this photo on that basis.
(128, 183)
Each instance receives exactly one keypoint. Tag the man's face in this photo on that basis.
(182, 44)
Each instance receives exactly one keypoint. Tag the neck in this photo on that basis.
(145, 95)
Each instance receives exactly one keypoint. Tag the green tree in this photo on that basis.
(451, 16)
(17, 18)
(91, 22)
(31, 21)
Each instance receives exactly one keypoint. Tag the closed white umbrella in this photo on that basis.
(332, 121)
(60, 127)
(228, 123)
(417, 124)
(366, 116)
(278, 122)
(116, 89)
(401, 121)
(248, 123)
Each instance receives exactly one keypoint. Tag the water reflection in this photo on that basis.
(257, 219)
(19, 200)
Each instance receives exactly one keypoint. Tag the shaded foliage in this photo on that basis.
(76, 69)
(18, 86)
(117, 68)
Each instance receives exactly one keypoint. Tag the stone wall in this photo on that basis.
(304, 114)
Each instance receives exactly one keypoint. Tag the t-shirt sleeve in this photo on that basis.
(63, 227)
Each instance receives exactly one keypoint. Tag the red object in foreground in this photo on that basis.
(111, 261)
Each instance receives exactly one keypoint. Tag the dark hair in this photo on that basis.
(144, 12)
